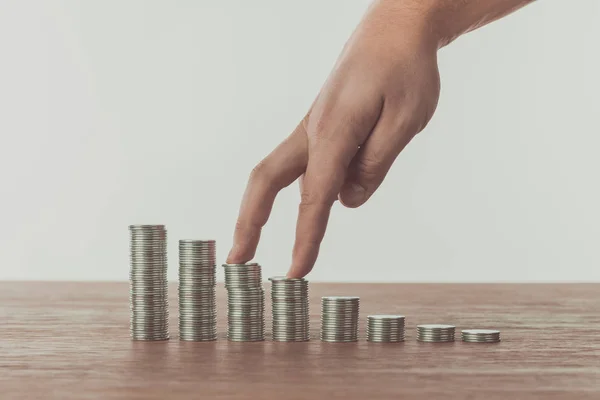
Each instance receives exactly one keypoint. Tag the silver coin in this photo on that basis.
(340, 298)
(480, 332)
(245, 302)
(148, 297)
(436, 327)
(480, 335)
(385, 317)
(339, 318)
(290, 309)
(197, 297)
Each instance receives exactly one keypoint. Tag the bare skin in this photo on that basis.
(382, 91)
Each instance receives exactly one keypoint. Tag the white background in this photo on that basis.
(118, 112)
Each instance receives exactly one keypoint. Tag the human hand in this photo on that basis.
(382, 91)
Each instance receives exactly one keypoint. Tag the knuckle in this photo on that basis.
(319, 128)
(239, 225)
(261, 173)
(309, 200)
(326, 129)
(333, 117)
(310, 242)
(244, 226)
(369, 167)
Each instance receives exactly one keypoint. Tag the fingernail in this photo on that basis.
(353, 195)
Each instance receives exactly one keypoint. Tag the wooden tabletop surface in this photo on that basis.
(71, 341)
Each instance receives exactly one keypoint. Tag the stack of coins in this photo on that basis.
(290, 309)
(197, 303)
(435, 333)
(385, 328)
(148, 292)
(480, 336)
(339, 318)
(245, 302)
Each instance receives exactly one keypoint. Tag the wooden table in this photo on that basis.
(71, 341)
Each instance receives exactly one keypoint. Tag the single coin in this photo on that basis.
(386, 316)
(480, 332)
(435, 326)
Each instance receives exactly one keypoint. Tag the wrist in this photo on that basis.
(440, 22)
(406, 21)
(450, 19)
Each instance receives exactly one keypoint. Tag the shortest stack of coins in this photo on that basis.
(290, 309)
(245, 302)
(480, 336)
(435, 333)
(385, 328)
(197, 303)
(339, 318)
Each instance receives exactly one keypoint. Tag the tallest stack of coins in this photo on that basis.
(148, 293)
(197, 303)
(245, 302)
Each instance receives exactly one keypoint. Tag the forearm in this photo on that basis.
(443, 20)
(453, 18)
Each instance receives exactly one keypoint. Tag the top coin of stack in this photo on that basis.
(197, 303)
(290, 309)
(435, 333)
(148, 291)
(339, 318)
(245, 302)
(480, 335)
(385, 328)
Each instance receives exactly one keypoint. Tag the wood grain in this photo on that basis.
(71, 341)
